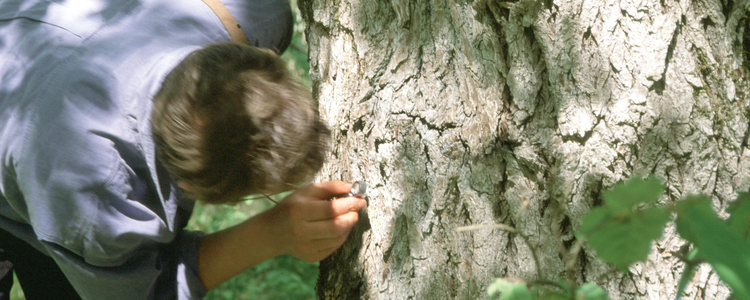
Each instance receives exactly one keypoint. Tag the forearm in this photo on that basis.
(303, 225)
(229, 252)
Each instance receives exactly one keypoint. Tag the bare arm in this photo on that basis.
(303, 225)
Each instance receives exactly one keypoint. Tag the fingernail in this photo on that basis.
(362, 204)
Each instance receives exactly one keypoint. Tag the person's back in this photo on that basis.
(75, 101)
(79, 177)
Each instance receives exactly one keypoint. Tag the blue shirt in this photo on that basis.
(79, 179)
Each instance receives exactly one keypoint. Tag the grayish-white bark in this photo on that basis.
(521, 112)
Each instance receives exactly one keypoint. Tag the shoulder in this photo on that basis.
(69, 156)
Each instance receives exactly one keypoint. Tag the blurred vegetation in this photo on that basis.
(296, 54)
(283, 277)
(15, 292)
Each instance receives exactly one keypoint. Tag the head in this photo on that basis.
(230, 121)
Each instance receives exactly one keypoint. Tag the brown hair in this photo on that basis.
(231, 121)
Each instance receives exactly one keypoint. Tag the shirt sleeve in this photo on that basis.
(89, 196)
(147, 275)
(189, 285)
(118, 246)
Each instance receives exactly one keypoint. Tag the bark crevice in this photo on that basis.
(521, 113)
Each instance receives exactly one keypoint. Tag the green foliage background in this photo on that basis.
(283, 277)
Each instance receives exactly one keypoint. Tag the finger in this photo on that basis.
(336, 227)
(319, 249)
(325, 190)
(326, 210)
(324, 244)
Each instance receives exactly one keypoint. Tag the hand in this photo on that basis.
(304, 225)
(309, 227)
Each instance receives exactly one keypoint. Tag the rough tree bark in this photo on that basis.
(461, 112)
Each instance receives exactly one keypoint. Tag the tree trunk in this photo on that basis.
(522, 113)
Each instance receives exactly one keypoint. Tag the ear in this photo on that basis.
(185, 186)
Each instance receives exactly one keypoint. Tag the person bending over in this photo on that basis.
(115, 116)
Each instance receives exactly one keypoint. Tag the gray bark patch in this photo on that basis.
(522, 113)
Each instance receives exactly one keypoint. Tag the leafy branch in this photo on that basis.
(622, 230)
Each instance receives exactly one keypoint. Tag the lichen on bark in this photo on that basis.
(522, 113)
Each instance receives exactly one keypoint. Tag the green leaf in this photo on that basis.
(698, 204)
(739, 215)
(723, 248)
(562, 291)
(509, 290)
(590, 291)
(567, 289)
(620, 234)
(593, 221)
(633, 192)
(587, 291)
(554, 295)
(625, 239)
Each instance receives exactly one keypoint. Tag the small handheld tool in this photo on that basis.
(359, 188)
